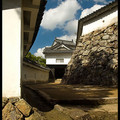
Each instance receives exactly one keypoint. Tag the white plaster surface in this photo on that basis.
(11, 45)
(98, 23)
(34, 74)
(51, 58)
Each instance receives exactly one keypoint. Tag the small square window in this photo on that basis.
(59, 60)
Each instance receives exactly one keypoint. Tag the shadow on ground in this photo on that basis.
(88, 96)
(71, 92)
(35, 100)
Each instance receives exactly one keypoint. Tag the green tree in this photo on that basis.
(38, 60)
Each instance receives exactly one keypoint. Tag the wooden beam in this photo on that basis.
(28, 29)
(36, 2)
(30, 7)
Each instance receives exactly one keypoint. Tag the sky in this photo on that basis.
(60, 20)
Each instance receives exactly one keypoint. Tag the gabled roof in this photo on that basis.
(66, 42)
(60, 46)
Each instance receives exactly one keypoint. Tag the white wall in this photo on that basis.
(100, 22)
(52, 61)
(51, 58)
(11, 48)
(34, 74)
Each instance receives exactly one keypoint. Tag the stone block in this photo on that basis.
(111, 44)
(115, 45)
(114, 60)
(94, 48)
(98, 37)
(89, 47)
(24, 107)
(57, 115)
(59, 108)
(77, 114)
(116, 32)
(95, 43)
(35, 116)
(109, 30)
(96, 32)
(4, 101)
(105, 37)
(85, 61)
(113, 38)
(81, 52)
(116, 51)
(103, 48)
(103, 43)
(80, 45)
(87, 42)
(86, 117)
(109, 50)
(13, 99)
(10, 112)
(86, 52)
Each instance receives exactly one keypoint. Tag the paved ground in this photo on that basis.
(82, 96)
(74, 92)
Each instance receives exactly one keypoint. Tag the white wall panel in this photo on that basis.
(11, 48)
(98, 23)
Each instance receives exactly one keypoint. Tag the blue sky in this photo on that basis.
(60, 20)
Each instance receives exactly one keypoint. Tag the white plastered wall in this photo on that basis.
(34, 74)
(98, 23)
(51, 58)
(11, 51)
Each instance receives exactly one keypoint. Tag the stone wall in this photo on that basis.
(95, 60)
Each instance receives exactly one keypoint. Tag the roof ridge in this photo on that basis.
(64, 40)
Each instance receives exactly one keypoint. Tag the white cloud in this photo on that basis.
(40, 52)
(57, 17)
(71, 27)
(88, 11)
(68, 37)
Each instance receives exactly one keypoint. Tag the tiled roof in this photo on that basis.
(57, 51)
(69, 44)
(66, 42)
(34, 63)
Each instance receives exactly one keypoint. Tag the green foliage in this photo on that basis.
(38, 60)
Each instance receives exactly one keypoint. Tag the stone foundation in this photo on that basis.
(95, 60)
